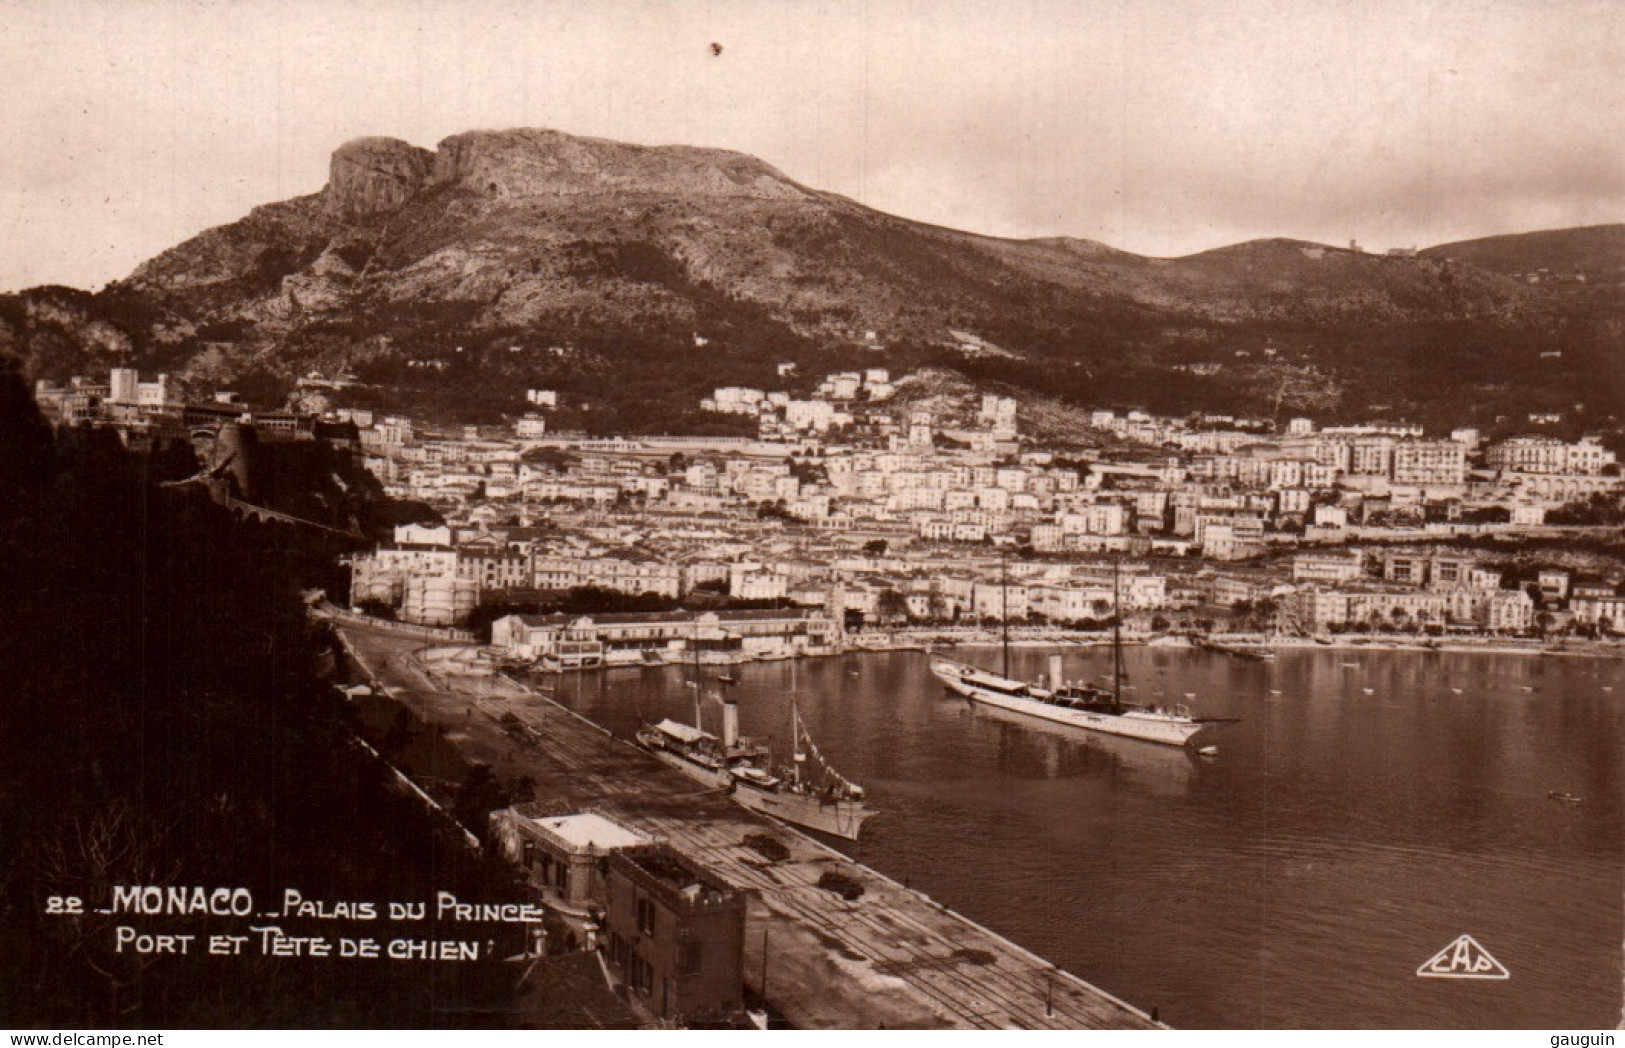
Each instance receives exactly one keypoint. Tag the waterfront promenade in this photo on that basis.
(892, 958)
(926, 638)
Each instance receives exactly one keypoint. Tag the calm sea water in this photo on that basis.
(1337, 842)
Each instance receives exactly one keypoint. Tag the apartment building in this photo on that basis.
(1426, 463)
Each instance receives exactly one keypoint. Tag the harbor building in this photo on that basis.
(563, 856)
(653, 638)
(675, 935)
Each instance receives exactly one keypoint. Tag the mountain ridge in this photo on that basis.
(525, 241)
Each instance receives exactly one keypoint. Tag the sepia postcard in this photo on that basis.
(843, 516)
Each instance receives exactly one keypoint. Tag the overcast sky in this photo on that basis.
(1158, 126)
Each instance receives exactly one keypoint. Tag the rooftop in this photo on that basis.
(670, 873)
(590, 830)
(632, 618)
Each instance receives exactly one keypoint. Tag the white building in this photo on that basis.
(989, 600)
(753, 582)
(1325, 567)
(1429, 462)
(423, 534)
(126, 388)
(736, 400)
(382, 575)
(815, 415)
(1600, 610)
(1528, 515)
(1548, 455)
(434, 600)
(1330, 516)
(1509, 611)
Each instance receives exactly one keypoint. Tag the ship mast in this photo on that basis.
(1117, 640)
(695, 682)
(798, 756)
(1004, 605)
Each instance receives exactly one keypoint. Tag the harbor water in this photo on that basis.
(1370, 808)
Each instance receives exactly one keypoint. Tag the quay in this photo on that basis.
(892, 958)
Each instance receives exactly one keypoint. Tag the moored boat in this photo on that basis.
(1085, 707)
(1074, 704)
(815, 799)
(808, 793)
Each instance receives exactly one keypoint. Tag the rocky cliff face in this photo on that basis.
(539, 163)
(367, 175)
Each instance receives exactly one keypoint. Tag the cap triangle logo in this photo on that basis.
(1463, 959)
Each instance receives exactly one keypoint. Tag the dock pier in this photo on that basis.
(891, 958)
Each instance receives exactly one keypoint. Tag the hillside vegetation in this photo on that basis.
(167, 724)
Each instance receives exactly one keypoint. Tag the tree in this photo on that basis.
(520, 788)
(1487, 515)
(1159, 624)
(875, 547)
(403, 729)
(891, 606)
(377, 609)
(480, 794)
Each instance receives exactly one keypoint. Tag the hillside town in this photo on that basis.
(866, 513)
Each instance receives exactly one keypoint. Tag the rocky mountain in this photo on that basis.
(634, 278)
